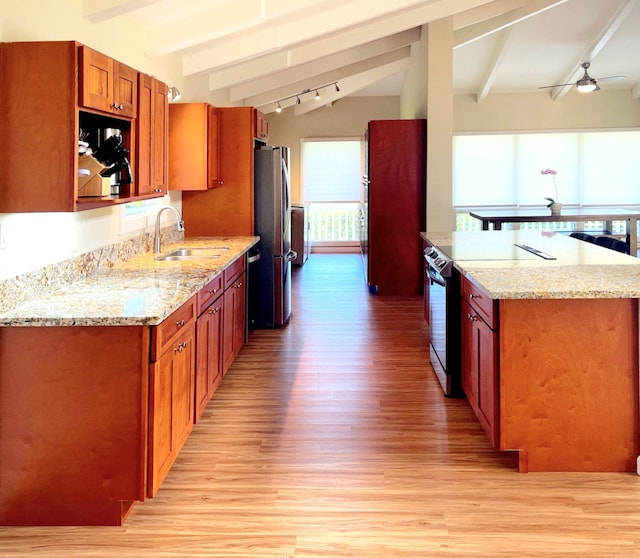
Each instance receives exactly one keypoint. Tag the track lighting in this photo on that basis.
(315, 90)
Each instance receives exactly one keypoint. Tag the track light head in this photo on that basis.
(337, 88)
(297, 100)
(317, 97)
(279, 108)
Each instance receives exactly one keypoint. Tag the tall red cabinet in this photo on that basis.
(393, 205)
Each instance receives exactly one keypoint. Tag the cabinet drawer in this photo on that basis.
(232, 272)
(480, 301)
(208, 293)
(164, 333)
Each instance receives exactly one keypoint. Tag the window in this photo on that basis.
(594, 168)
(331, 187)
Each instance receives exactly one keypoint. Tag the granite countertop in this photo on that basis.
(138, 291)
(580, 270)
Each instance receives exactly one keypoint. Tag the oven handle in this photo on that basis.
(435, 276)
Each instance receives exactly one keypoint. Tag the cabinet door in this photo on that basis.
(125, 90)
(208, 355)
(151, 135)
(213, 149)
(171, 406)
(160, 137)
(234, 321)
(96, 80)
(479, 370)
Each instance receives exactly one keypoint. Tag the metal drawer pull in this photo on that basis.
(181, 347)
(180, 323)
(472, 296)
(472, 317)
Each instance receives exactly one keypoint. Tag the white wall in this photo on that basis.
(34, 240)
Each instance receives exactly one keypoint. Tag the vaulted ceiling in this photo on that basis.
(265, 52)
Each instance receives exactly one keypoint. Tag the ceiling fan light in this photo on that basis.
(587, 86)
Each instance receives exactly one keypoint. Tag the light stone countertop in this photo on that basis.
(580, 270)
(138, 291)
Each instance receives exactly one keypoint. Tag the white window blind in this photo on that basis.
(330, 170)
(594, 168)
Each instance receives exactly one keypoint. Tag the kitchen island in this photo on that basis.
(101, 381)
(550, 349)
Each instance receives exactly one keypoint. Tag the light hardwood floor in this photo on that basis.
(331, 438)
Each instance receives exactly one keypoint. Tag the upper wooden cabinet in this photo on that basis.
(152, 133)
(194, 147)
(48, 92)
(106, 84)
(227, 209)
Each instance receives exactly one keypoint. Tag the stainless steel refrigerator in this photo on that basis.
(270, 292)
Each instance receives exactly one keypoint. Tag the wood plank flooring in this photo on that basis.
(331, 438)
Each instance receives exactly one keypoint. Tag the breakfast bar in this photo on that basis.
(497, 217)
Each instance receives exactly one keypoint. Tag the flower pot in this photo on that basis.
(555, 208)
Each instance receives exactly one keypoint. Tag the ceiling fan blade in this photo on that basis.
(556, 85)
(612, 77)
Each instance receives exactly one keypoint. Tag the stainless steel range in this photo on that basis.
(443, 280)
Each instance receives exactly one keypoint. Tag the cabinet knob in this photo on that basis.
(213, 291)
(472, 296)
(472, 317)
(180, 347)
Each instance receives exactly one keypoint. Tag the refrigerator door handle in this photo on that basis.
(289, 256)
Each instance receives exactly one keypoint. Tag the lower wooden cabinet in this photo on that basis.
(171, 397)
(208, 344)
(479, 370)
(235, 295)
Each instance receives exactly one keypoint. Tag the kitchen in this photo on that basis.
(83, 229)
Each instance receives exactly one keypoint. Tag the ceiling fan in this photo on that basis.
(586, 83)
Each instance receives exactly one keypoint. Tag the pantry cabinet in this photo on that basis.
(194, 147)
(49, 91)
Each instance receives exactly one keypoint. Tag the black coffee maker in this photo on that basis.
(113, 154)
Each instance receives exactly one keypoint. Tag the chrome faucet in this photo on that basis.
(179, 223)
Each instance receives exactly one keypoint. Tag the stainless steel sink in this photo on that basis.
(204, 252)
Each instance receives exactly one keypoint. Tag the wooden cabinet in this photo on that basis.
(51, 90)
(152, 136)
(209, 329)
(171, 396)
(479, 356)
(194, 147)
(234, 311)
(229, 208)
(479, 369)
(106, 84)
(261, 126)
(560, 401)
(394, 205)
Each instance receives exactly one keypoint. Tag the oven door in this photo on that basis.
(444, 328)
